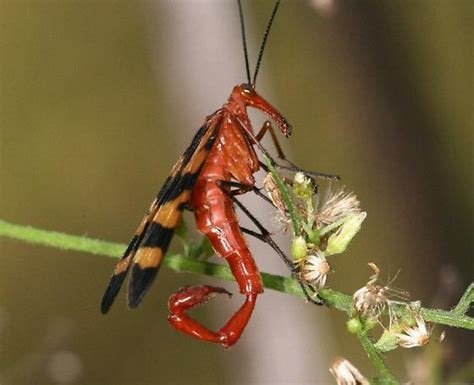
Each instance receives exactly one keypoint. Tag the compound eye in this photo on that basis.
(247, 89)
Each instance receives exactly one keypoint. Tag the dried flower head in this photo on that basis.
(315, 269)
(274, 193)
(335, 206)
(281, 220)
(346, 373)
(414, 335)
(371, 299)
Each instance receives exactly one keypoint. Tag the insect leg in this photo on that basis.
(264, 233)
(293, 268)
(322, 175)
(264, 236)
(292, 167)
(267, 126)
(242, 188)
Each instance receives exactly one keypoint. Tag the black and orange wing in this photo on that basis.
(148, 246)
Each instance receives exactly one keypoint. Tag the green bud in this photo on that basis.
(370, 323)
(408, 320)
(415, 306)
(388, 341)
(299, 248)
(302, 186)
(338, 242)
(354, 325)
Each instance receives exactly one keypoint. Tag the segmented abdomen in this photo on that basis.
(216, 218)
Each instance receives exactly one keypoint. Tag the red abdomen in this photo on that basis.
(216, 218)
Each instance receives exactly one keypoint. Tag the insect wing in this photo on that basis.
(122, 267)
(148, 246)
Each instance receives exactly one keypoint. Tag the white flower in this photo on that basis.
(315, 269)
(415, 335)
(346, 373)
(370, 300)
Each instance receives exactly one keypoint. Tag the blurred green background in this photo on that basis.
(99, 98)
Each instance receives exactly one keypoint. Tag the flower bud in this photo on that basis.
(303, 186)
(299, 249)
(338, 242)
(354, 325)
(387, 341)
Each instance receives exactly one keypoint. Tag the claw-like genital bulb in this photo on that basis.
(189, 297)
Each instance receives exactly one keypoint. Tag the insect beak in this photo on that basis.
(258, 102)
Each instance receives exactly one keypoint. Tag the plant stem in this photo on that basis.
(466, 300)
(288, 285)
(294, 215)
(448, 318)
(61, 241)
(377, 360)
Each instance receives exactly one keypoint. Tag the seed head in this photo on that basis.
(370, 300)
(414, 335)
(274, 193)
(335, 206)
(315, 269)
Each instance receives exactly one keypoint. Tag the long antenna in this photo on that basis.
(244, 41)
(265, 37)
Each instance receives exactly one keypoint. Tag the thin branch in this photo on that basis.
(376, 358)
(293, 212)
(288, 285)
(464, 304)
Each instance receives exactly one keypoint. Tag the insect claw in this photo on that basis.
(190, 297)
(220, 290)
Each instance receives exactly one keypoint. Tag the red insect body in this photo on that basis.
(232, 158)
(221, 155)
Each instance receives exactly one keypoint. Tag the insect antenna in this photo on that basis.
(244, 40)
(264, 41)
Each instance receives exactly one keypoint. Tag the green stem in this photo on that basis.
(448, 318)
(61, 241)
(466, 300)
(287, 285)
(374, 355)
(294, 214)
(176, 262)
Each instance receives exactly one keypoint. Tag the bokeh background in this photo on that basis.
(99, 98)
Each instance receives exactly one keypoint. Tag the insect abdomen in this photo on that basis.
(216, 218)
